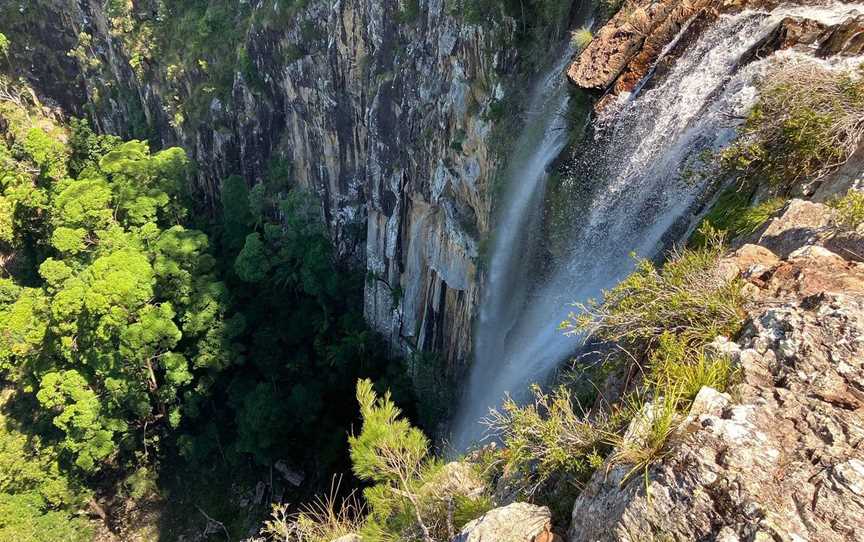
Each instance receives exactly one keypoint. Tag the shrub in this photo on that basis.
(689, 297)
(390, 453)
(547, 437)
(850, 209)
(733, 214)
(806, 123)
(665, 318)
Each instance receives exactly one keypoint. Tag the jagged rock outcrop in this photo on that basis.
(384, 119)
(624, 48)
(517, 522)
(780, 457)
(808, 223)
(628, 48)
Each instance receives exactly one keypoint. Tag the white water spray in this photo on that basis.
(637, 195)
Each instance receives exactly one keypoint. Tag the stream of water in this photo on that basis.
(633, 169)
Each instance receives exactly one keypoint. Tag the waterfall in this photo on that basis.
(633, 171)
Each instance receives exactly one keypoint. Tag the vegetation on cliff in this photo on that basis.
(133, 343)
(806, 123)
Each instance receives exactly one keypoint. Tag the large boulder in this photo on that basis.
(801, 223)
(517, 522)
(630, 42)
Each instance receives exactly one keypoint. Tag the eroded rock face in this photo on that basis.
(384, 121)
(517, 522)
(627, 49)
(624, 48)
(805, 223)
(782, 460)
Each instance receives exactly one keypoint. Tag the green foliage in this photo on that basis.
(113, 320)
(409, 11)
(850, 209)
(4, 44)
(467, 509)
(677, 366)
(252, 264)
(805, 124)
(26, 517)
(656, 423)
(388, 450)
(663, 320)
(548, 438)
(38, 500)
(89, 435)
(688, 297)
(733, 215)
(86, 146)
(533, 14)
(413, 497)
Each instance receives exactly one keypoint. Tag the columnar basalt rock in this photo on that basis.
(385, 121)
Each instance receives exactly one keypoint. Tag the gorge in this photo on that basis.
(649, 209)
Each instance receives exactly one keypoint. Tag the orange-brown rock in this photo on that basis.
(846, 38)
(627, 48)
(630, 42)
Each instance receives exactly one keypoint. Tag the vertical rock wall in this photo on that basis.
(385, 121)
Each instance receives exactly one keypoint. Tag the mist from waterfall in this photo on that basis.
(633, 173)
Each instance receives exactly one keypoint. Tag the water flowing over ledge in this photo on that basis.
(634, 171)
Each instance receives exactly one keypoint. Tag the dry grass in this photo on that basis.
(325, 519)
(808, 121)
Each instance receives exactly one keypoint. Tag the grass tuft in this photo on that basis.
(850, 209)
(326, 518)
(649, 440)
(733, 214)
(581, 37)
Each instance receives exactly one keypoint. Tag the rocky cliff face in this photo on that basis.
(383, 115)
(779, 458)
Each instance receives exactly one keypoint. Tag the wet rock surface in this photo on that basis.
(642, 40)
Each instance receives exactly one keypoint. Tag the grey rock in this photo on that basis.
(781, 462)
(801, 223)
(517, 522)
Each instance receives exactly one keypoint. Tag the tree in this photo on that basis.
(388, 450)
(124, 320)
(252, 264)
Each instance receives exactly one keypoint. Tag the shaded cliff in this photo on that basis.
(386, 110)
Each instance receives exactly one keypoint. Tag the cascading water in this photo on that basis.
(637, 193)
